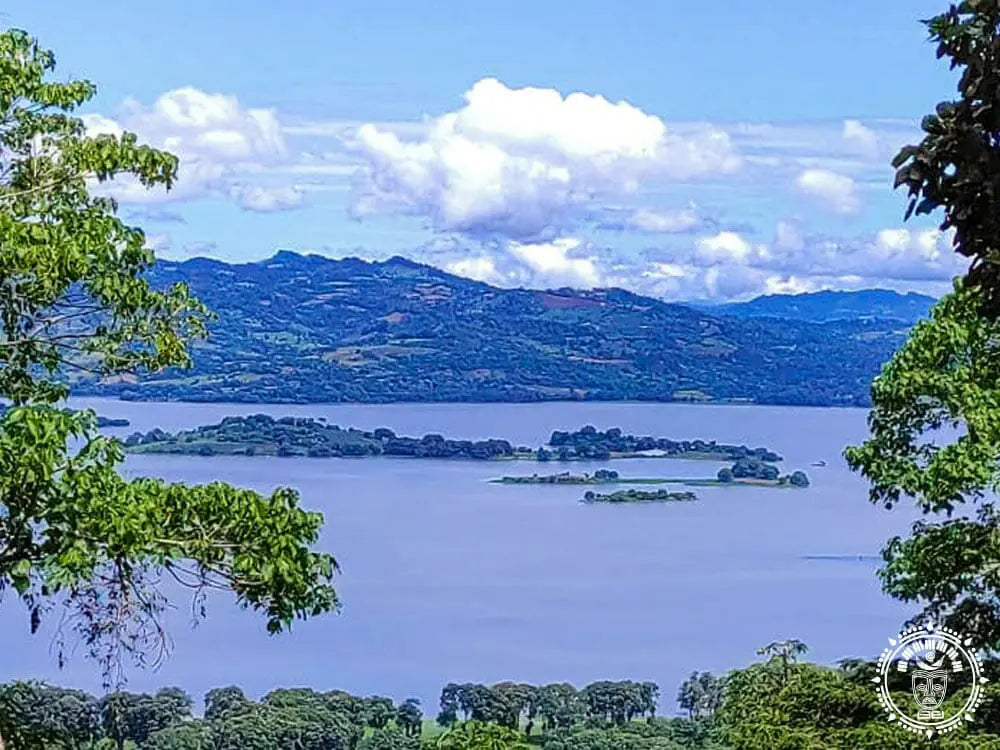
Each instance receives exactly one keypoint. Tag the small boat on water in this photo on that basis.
(819, 463)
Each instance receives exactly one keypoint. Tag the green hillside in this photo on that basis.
(308, 329)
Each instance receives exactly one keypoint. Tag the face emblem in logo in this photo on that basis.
(935, 659)
(929, 690)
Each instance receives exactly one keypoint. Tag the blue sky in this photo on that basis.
(685, 150)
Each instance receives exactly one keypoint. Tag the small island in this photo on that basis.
(744, 471)
(639, 496)
(601, 476)
(750, 471)
(263, 435)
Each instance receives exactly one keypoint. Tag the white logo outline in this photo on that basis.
(930, 678)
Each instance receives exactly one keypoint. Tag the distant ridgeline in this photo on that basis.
(301, 329)
(262, 435)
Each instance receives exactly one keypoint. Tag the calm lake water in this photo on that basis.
(449, 578)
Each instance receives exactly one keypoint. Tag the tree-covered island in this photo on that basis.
(638, 496)
(742, 472)
(263, 435)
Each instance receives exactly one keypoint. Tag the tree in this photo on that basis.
(390, 738)
(945, 377)
(192, 735)
(37, 716)
(701, 694)
(956, 167)
(477, 735)
(74, 296)
(379, 711)
(410, 717)
(128, 716)
(784, 653)
(799, 479)
(558, 705)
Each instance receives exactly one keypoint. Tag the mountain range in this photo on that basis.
(305, 328)
(828, 305)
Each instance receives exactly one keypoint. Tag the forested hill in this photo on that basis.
(819, 307)
(306, 328)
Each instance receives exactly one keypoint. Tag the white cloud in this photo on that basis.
(265, 199)
(553, 261)
(480, 268)
(158, 242)
(518, 161)
(838, 193)
(861, 138)
(788, 236)
(669, 222)
(213, 135)
(724, 246)
(890, 254)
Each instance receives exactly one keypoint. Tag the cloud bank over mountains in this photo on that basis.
(533, 186)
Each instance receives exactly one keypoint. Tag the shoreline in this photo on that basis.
(637, 402)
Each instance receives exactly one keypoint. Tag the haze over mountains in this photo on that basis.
(297, 328)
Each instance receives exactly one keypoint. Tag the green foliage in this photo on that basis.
(390, 738)
(477, 735)
(35, 716)
(935, 421)
(132, 717)
(74, 296)
(935, 437)
(296, 719)
(701, 694)
(190, 735)
(409, 717)
(70, 270)
(784, 653)
(956, 167)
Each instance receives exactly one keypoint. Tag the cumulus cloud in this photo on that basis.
(265, 199)
(519, 161)
(479, 268)
(900, 255)
(565, 261)
(669, 222)
(861, 138)
(213, 135)
(719, 267)
(788, 236)
(724, 246)
(555, 261)
(647, 220)
(837, 192)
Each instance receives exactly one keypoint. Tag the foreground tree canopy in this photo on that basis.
(935, 421)
(73, 533)
(956, 167)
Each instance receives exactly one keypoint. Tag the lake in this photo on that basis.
(448, 578)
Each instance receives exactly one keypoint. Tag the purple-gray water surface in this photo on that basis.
(448, 578)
